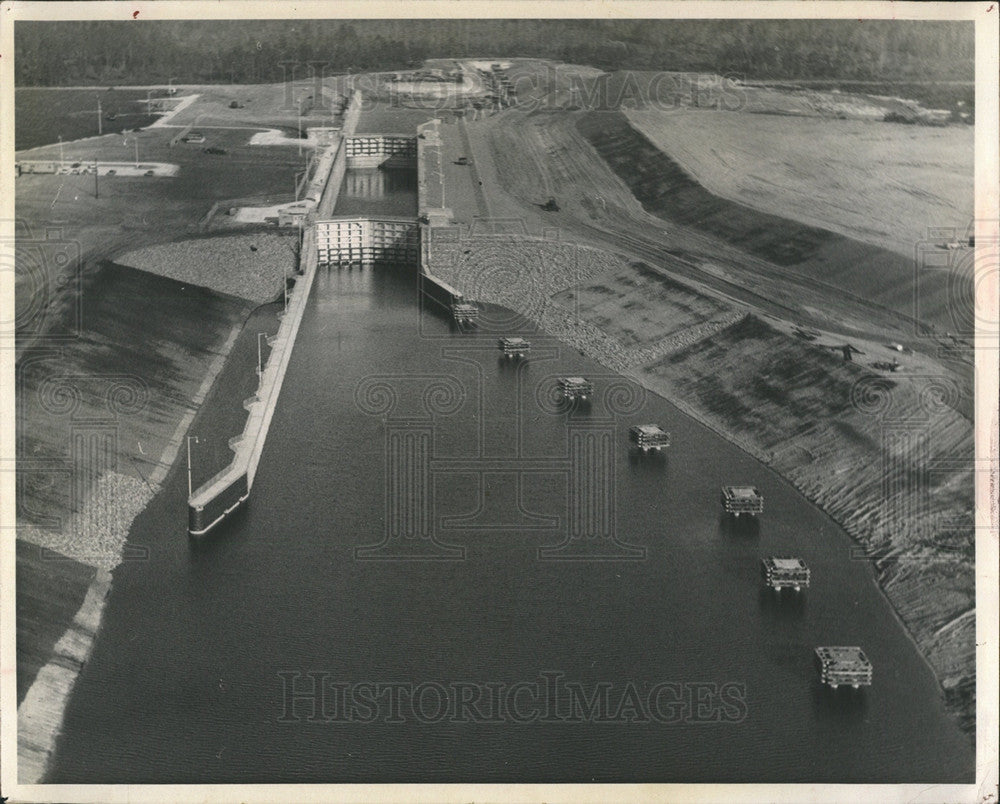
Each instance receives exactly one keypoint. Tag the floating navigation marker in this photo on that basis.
(464, 312)
(738, 500)
(574, 388)
(514, 347)
(649, 436)
(843, 665)
(781, 572)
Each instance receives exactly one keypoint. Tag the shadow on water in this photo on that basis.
(511, 365)
(739, 527)
(786, 604)
(647, 463)
(221, 536)
(844, 704)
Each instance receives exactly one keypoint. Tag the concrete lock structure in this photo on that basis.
(376, 150)
(353, 240)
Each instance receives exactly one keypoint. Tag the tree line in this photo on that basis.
(247, 51)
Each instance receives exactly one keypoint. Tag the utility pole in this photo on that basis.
(96, 189)
(100, 123)
(61, 160)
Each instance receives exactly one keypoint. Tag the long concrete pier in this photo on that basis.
(220, 496)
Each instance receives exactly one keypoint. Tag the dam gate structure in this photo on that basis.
(363, 240)
(375, 150)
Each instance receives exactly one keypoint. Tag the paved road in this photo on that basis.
(463, 193)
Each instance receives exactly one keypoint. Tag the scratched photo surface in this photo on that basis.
(494, 400)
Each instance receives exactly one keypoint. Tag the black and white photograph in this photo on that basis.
(499, 401)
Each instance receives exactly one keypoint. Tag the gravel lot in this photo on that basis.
(249, 266)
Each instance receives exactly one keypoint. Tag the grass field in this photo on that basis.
(135, 212)
(42, 116)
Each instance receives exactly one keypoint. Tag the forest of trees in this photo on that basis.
(68, 53)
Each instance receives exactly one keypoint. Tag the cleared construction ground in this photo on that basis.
(743, 317)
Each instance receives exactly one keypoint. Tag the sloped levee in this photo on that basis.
(664, 189)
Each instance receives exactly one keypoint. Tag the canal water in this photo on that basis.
(500, 564)
(371, 191)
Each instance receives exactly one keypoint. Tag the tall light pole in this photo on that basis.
(189, 440)
(100, 124)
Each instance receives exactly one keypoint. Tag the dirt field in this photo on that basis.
(880, 183)
(812, 255)
(641, 203)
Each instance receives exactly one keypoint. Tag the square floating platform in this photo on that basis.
(843, 665)
(514, 347)
(576, 387)
(649, 436)
(780, 572)
(738, 500)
